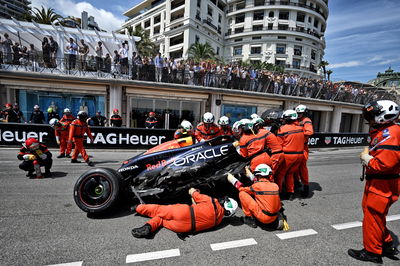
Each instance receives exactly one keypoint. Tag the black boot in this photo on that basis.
(250, 221)
(90, 163)
(74, 161)
(30, 174)
(306, 191)
(390, 251)
(365, 255)
(290, 196)
(297, 185)
(68, 156)
(48, 173)
(62, 155)
(141, 232)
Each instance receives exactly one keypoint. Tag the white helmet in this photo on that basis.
(257, 121)
(263, 170)
(236, 126)
(186, 125)
(290, 115)
(253, 116)
(223, 121)
(53, 122)
(230, 206)
(208, 118)
(36, 107)
(66, 110)
(301, 108)
(381, 112)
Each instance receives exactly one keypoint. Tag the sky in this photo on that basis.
(362, 36)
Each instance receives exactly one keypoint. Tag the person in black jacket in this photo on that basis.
(51, 114)
(32, 152)
(98, 120)
(37, 116)
(151, 121)
(116, 119)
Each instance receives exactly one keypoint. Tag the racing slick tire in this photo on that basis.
(97, 190)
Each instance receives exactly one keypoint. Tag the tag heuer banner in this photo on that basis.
(140, 138)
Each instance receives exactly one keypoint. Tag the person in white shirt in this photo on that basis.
(123, 57)
(99, 56)
(72, 51)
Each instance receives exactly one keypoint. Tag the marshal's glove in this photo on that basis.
(365, 157)
(58, 140)
(29, 157)
(233, 180)
(192, 190)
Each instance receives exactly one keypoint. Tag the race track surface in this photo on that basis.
(41, 225)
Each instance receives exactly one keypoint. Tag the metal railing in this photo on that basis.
(281, 28)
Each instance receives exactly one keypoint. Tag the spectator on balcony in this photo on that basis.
(174, 69)
(107, 63)
(117, 63)
(123, 57)
(23, 56)
(99, 56)
(83, 52)
(46, 50)
(7, 49)
(53, 51)
(16, 49)
(159, 64)
(165, 70)
(72, 51)
(134, 66)
(33, 57)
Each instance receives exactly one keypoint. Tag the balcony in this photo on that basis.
(280, 28)
(209, 23)
(177, 3)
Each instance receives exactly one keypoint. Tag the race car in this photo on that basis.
(163, 172)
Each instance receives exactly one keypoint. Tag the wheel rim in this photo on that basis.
(95, 190)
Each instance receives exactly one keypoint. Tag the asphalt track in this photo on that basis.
(41, 225)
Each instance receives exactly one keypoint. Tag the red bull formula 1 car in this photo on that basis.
(163, 172)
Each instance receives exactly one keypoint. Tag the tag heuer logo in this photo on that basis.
(328, 140)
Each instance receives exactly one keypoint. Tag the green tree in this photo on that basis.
(45, 16)
(329, 73)
(145, 46)
(199, 52)
(323, 65)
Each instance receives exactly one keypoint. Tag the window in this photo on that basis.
(257, 27)
(271, 14)
(156, 30)
(240, 5)
(157, 19)
(238, 40)
(281, 37)
(259, 15)
(197, 39)
(176, 40)
(259, 2)
(301, 17)
(209, 11)
(316, 23)
(256, 38)
(312, 54)
(199, 3)
(297, 50)
(198, 17)
(217, 50)
(255, 50)
(237, 50)
(280, 62)
(147, 24)
(270, 26)
(283, 15)
(309, 19)
(239, 30)
(283, 27)
(219, 18)
(299, 39)
(296, 63)
(281, 49)
(239, 18)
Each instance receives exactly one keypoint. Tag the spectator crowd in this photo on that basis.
(169, 70)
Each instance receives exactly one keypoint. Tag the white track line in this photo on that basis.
(347, 225)
(294, 234)
(153, 255)
(76, 263)
(392, 217)
(234, 244)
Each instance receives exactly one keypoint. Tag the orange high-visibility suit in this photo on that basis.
(261, 200)
(226, 130)
(68, 119)
(62, 133)
(291, 137)
(306, 123)
(382, 187)
(251, 144)
(205, 214)
(77, 130)
(207, 131)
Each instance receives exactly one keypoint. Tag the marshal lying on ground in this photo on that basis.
(165, 171)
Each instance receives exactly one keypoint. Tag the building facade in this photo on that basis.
(285, 33)
(14, 8)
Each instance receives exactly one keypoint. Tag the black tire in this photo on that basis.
(97, 190)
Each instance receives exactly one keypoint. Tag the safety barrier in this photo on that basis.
(140, 138)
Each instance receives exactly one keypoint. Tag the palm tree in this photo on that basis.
(145, 46)
(45, 16)
(323, 65)
(329, 72)
(200, 52)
